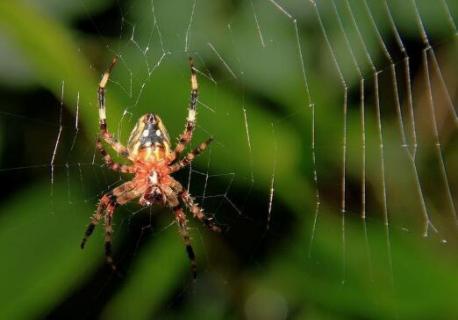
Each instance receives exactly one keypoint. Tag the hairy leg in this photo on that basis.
(182, 223)
(108, 238)
(193, 207)
(190, 156)
(108, 202)
(110, 162)
(107, 136)
(199, 213)
(186, 136)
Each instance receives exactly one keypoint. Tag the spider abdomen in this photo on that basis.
(149, 140)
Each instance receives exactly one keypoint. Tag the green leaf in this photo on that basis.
(39, 242)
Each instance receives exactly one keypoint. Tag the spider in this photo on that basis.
(153, 162)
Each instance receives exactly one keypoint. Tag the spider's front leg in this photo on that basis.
(182, 222)
(106, 203)
(183, 228)
(106, 208)
(186, 136)
(193, 207)
(199, 213)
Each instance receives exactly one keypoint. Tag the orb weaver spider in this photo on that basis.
(153, 162)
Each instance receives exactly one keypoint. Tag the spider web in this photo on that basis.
(334, 122)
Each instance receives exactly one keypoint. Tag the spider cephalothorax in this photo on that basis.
(153, 162)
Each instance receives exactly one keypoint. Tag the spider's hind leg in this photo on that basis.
(104, 133)
(186, 135)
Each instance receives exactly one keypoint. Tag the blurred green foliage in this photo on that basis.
(43, 267)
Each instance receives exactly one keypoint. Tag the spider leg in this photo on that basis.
(106, 201)
(186, 136)
(95, 219)
(108, 238)
(199, 213)
(107, 204)
(107, 136)
(122, 194)
(190, 156)
(183, 228)
(194, 208)
(110, 162)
